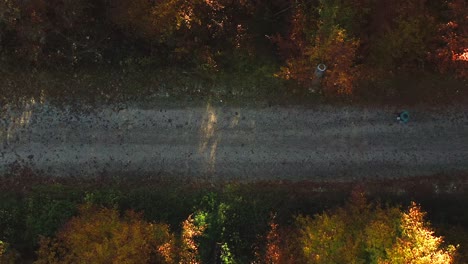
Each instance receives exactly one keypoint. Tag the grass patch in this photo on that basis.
(413, 88)
(105, 84)
(241, 85)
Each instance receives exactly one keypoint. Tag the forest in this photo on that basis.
(363, 44)
(230, 52)
(104, 220)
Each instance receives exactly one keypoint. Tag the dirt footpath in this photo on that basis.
(218, 142)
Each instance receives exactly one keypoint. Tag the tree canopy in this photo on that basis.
(357, 39)
(358, 232)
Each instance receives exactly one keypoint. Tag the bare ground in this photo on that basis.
(216, 142)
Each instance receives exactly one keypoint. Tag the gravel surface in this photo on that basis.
(225, 143)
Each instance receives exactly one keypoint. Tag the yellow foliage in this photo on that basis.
(351, 234)
(101, 235)
(338, 52)
(324, 42)
(418, 244)
(6, 255)
(361, 233)
(322, 239)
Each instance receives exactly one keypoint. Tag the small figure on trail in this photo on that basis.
(320, 70)
(403, 116)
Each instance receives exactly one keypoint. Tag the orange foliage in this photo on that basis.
(339, 56)
(273, 250)
(453, 55)
(294, 47)
(335, 51)
(312, 41)
(189, 247)
(273, 253)
(101, 235)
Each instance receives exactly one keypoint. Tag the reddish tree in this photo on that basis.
(452, 56)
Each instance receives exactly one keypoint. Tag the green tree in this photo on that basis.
(403, 40)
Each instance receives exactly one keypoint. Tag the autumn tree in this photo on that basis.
(101, 235)
(418, 244)
(452, 53)
(322, 32)
(351, 234)
(271, 253)
(363, 233)
(192, 228)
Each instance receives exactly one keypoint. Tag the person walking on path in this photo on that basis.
(403, 116)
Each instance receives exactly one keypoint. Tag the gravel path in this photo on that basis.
(217, 142)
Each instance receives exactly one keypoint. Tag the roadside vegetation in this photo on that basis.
(144, 220)
(234, 50)
(239, 52)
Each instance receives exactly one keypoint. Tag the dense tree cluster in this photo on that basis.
(170, 30)
(101, 235)
(239, 223)
(356, 233)
(363, 233)
(357, 39)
